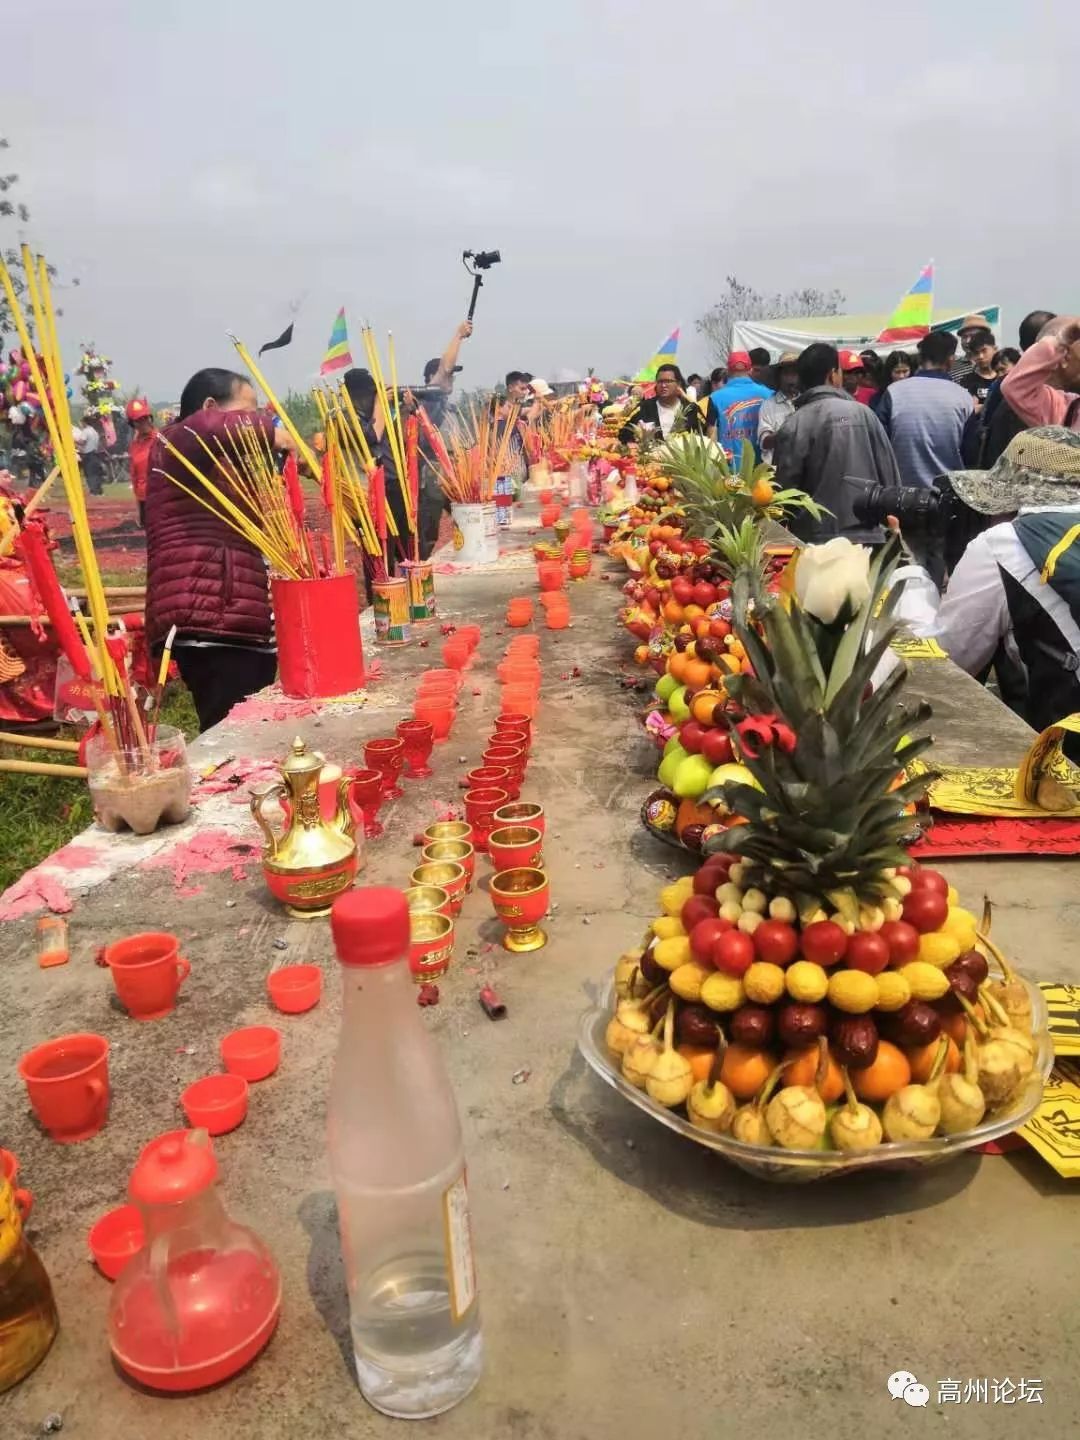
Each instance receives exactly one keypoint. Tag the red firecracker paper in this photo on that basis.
(960, 835)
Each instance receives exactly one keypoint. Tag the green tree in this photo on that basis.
(743, 302)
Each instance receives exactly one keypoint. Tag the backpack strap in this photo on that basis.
(1073, 413)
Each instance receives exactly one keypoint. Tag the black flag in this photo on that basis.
(285, 338)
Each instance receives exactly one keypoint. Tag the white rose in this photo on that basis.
(828, 575)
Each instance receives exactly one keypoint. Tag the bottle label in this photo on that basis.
(11, 1221)
(461, 1270)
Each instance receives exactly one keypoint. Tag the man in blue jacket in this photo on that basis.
(734, 409)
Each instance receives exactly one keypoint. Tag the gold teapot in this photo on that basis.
(313, 861)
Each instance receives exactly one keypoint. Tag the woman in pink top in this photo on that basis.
(1042, 386)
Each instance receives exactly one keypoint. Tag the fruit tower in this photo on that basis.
(808, 969)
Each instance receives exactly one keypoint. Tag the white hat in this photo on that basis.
(539, 387)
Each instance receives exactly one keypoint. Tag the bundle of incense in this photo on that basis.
(476, 452)
(47, 375)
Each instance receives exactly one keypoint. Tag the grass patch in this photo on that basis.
(39, 813)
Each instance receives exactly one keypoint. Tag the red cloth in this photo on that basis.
(959, 835)
(201, 576)
(139, 448)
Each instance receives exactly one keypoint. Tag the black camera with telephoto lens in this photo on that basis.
(917, 507)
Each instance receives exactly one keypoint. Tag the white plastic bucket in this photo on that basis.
(476, 534)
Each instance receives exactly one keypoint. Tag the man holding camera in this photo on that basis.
(833, 448)
(434, 399)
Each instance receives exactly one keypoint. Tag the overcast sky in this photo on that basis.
(199, 166)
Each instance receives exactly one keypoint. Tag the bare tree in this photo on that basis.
(743, 302)
(14, 210)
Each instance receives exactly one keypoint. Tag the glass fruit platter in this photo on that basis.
(801, 1166)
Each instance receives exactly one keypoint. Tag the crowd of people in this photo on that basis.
(971, 450)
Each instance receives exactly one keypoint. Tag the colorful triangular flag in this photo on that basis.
(337, 355)
(911, 318)
(664, 356)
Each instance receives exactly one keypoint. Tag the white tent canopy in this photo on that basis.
(847, 332)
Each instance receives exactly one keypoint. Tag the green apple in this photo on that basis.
(670, 764)
(692, 777)
(677, 705)
(665, 687)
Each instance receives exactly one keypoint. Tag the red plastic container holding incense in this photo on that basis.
(318, 635)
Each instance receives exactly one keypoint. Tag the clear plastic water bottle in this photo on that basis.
(398, 1166)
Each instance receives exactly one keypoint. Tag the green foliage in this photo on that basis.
(827, 820)
(302, 410)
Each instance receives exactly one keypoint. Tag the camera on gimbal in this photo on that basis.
(482, 259)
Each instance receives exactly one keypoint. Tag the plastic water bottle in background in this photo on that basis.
(398, 1166)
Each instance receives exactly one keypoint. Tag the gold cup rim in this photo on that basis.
(524, 880)
(531, 810)
(461, 828)
(436, 895)
(429, 927)
(450, 873)
(509, 835)
(459, 850)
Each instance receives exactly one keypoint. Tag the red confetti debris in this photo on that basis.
(428, 995)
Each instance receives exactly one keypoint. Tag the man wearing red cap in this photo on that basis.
(141, 420)
(734, 409)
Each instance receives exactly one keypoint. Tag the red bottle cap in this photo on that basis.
(174, 1167)
(370, 925)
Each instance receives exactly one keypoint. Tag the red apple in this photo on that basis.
(776, 942)
(711, 876)
(902, 940)
(926, 910)
(867, 950)
(696, 909)
(704, 594)
(719, 629)
(690, 737)
(716, 746)
(682, 590)
(733, 953)
(704, 936)
(824, 942)
(929, 880)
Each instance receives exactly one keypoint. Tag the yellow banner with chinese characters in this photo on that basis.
(1054, 1129)
(1044, 784)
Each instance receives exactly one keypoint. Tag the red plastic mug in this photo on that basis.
(147, 971)
(67, 1081)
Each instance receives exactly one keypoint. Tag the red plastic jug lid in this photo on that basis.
(174, 1167)
(370, 925)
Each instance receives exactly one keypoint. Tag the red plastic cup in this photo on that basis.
(524, 644)
(388, 756)
(439, 714)
(549, 576)
(519, 698)
(9, 1171)
(545, 497)
(295, 989)
(116, 1238)
(558, 619)
(510, 757)
(549, 514)
(456, 652)
(418, 737)
(480, 806)
(512, 735)
(253, 1052)
(519, 611)
(367, 796)
(147, 971)
(217, 1103)
(441, 679)
(470, 634)
(507, 721)
(67, 1080)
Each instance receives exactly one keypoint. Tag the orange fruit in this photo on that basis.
(803, 1071)
(922, 1060)
(889, 1072)
(697, 674)
(761, 492)
(700, 627)
(745, 1069)
(676, 665)
(703, 704)
(701, 1059)
(641, 655)
(692, 612)
(673, 611)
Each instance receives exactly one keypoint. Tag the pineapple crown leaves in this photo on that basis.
(718, 495)
(829, 815)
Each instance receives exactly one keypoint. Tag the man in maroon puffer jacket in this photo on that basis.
(201, 575)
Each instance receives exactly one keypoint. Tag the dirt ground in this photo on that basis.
(632, 1284)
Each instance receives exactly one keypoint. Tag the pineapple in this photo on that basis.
(828, 821)
(716, 496)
